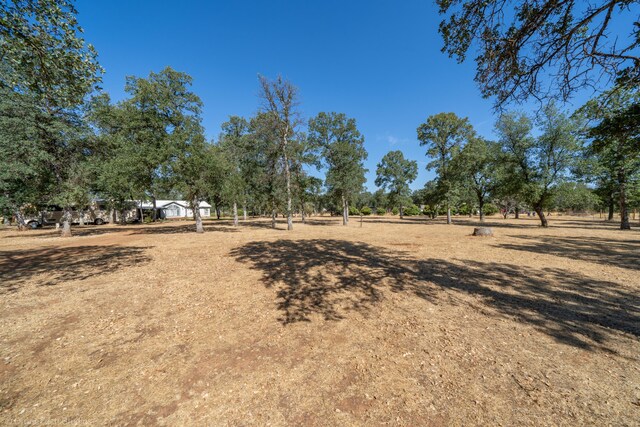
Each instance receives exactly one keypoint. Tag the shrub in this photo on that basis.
(490, 209)
(464, 209)
(381, 211)
(366, 211)
(412, 210)
(353, 210)
(395, 211)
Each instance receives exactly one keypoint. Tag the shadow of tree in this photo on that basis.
(56, 265)
(330, 278)
(159, 228)
(619, 253)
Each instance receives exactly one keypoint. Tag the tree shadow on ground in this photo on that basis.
(56, 265)
(159, 228)
(600, 250)
(331, 278)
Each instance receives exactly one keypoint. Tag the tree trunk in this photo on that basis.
(235, 214)
(155, 209)
(612, 205)
(289, 209)
(123, 217)
(624, 212)
(20, 220)
(302, 214)
(345, 211)
(217, 212)
(401, 212)
(517, 212)
(66, 223)
(481, 209)
(543, 218)
(81, 218)
(244, 213)
(141, 212)
(448, 214)
(273, 218)
(196, 211)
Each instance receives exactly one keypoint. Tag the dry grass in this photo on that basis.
(399, 322)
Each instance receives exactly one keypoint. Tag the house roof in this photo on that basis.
(165, 203)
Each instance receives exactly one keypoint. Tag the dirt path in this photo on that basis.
(396, 323)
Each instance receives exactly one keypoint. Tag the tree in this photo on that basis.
(477, 168)
(160, 107)
(50, 70)
(444, 134)
(267, 180)
(192, 168)
(574, 44)
(234, 143)
(395, 173)
(574, 197)
(539, 164)
(380, 199)
(614, 140)
(22, 156)
(342, 147)
(280, 100)
(43, 55)
(141, 135)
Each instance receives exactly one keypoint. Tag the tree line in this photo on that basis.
(64, 142)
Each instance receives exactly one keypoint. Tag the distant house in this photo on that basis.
(176, 208)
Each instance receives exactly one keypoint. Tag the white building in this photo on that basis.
(177, 208)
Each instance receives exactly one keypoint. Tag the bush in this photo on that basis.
(366, 211)
(490, 209)
(412, 210)
(395, 211)
(464, 209)
(353, 210)
(381, 211)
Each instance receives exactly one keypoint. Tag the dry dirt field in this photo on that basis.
(411, 323)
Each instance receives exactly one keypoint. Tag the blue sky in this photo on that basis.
(376, 61)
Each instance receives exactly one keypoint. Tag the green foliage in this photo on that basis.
(366, 211)
(613, 144)
(395, 173)
(478, 170)
(490, 209)
(395, 210)
(280, 99)
(43, 55)
(353, 210)
(561, 39)
(574, 197)
(534, 166)
(444, 134)
(143, 136)
(412, 210)
(381, 211)
(464, 209)
(341, 147)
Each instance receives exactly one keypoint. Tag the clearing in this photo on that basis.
(394, 323)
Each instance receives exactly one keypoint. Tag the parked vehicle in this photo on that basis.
(51, 215)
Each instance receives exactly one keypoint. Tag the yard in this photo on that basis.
(395, 322)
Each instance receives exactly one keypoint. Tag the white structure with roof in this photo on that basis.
(177, 208)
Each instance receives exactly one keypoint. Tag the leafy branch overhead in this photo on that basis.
(543, 49)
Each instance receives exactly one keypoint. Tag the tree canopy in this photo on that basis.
(543, 49)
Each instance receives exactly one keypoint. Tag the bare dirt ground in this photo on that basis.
(393, 323)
